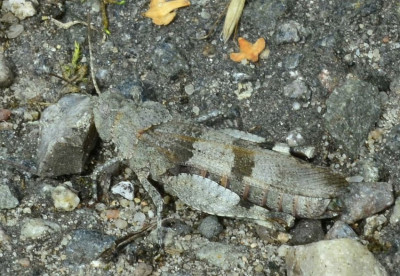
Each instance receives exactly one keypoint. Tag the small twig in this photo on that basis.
(66, 25)
(124, 241)
(91, 62)
(214, 26)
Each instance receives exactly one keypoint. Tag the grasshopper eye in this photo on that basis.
(335, 205)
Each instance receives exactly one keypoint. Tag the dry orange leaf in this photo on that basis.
(248, 50)
(162, 12)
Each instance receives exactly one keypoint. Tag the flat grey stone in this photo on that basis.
(352, 111)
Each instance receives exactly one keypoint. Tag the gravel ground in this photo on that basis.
(329, 79)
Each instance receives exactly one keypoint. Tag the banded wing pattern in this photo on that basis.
(234, 159)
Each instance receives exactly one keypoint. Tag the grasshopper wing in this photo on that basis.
(208, 196)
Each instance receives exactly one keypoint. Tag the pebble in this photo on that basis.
(359, 100)
(189, 89)
(210, 227)
(168, 61)
(297, 90)
(139, 219)
(24, 262)
(373, 224)
(7, 199)
(395, 217)
(6, 74)
(112, 214)
(64, 199)
(120, 223)
(288, 32)
(395, 85)
(9, 18)
(292, 61)
(294, 138)
(365, 199)
(20, 8)
(132, 88)
(143, 269)
(124, 189)
(37, 228)
(14, 31)
(224, 256)
(307, 231)
(67, 135)
(331, 258)
(340, 230)
(86, 245)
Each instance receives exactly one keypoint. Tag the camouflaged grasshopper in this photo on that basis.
(207, 168)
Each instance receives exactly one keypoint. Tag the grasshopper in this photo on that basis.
(209, 169)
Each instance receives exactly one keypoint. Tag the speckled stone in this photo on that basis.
(344, 257)
(7, 199)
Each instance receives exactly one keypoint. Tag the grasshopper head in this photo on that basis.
(121, 121)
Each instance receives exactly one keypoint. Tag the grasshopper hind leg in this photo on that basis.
(157, 200)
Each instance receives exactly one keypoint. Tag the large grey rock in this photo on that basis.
(344, 257)
(366, 199)
(352, 111)
(67, 135)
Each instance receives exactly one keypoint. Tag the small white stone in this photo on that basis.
(124, 189)
(64, 199)
(196, 110)
(121, 224)
(189, 89)
(296, 106)
(282, 148)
